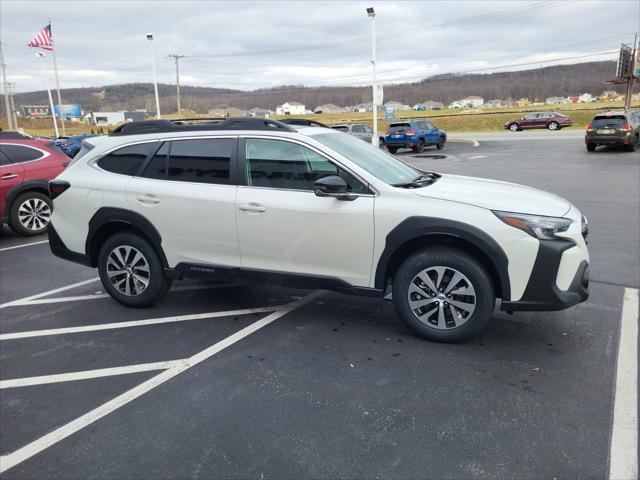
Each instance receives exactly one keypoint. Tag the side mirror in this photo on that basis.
(332, 186)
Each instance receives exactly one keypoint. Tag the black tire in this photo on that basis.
(633, 145)
(441, 142)
(35, 224)
(392, 149)
(591, 147)
(158, 284)
(452, 259)
(553, 126)
(420, 147)
(381, 143)
(514, 127)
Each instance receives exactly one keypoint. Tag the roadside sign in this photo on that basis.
(625, 59)
(378, 94)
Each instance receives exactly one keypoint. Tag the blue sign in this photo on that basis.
(389, 114)
(68, 111)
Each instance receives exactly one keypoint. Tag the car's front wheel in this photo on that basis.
(381, 143)
(443, 294)
(30, 213)
(553, 126)
(131, 271)
(441, 142)
(514, 127)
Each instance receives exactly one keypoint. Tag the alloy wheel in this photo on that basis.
(34, 214)
(513, 127)
(441, 297)
(128, 270)
(553, 126)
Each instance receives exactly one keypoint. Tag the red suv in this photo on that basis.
(550, 120)
(26, 166)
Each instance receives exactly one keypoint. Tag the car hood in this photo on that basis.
(496, 195)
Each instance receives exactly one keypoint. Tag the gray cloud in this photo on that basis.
(262, 44)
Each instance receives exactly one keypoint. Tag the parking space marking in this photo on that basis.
(135, 323)
(12, 459)
(87, 374)
(95, 296)
(23, 245)
(623, 458)
(48, 292)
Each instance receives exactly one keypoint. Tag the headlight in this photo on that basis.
(543, 228)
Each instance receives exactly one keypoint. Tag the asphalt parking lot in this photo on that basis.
(230, 381)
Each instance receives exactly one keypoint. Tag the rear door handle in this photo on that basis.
(9, 176)
(252, 208)
(148, 199)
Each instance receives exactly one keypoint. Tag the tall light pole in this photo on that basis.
(155, 79)
(177, 59)
(5, 87)
(372, 15)
(41, 56)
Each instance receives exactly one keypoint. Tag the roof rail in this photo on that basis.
(305, 122)
(198, 124)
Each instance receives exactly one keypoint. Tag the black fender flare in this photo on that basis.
(414, 228)
(109, 216)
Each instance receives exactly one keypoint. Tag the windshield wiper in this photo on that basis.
(420, 181)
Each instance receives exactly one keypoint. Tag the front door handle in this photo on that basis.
(252, 208)
(9, 176)
(148, 199)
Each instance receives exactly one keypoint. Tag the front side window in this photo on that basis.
(20, 153)
(127, 160)
(286, 165)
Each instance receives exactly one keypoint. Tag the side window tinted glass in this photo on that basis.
(157, 167)
(423, 125)
(4, 160)
(20, 153)
(358, 129)
(286, 165)
(126, 160)
(206, 160)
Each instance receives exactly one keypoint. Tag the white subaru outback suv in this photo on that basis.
(255, 200)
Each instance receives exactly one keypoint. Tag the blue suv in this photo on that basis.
(414, 134)
(71, 144)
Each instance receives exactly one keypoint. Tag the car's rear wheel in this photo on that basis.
(131, 271)
(392, 149)
(441, 142)
(419, 148)
(443, 294)
(553, 126)
(381, 143)
(591, 147)
(514, 127)
(633, 145)
(30, 213)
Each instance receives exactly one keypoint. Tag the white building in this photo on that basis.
(105, 118)
(586, 98)
(291, 108)
(327, 108)
(472, 101)
(456, 104)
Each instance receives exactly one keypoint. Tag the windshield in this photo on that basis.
(377, 162)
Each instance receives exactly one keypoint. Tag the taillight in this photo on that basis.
(67, 144)
(627, 128)
(589, 128)
(410, 132)
(57, 188)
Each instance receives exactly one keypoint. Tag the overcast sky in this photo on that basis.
(263, 44)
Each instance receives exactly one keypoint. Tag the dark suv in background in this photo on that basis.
(614, 128)
(414, 134)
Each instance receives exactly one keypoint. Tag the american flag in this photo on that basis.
(42, 39)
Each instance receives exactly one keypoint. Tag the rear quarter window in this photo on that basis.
(20, 153)
(127, 160)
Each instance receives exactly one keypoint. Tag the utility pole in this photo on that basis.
(5, 87)
(155, 77)
(13, 105)
(372, 15)
(177, 58)
(634, 58)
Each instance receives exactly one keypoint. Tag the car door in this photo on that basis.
(11, 175)
(284, 227)
(529, 121)
(360, 132)
(432, 134)
(187, 190)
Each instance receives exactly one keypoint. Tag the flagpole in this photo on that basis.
(46, 76)
(55, 70)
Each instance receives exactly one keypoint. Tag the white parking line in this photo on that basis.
(87, 374)
(623, 458)
(134, 323)
(23, 245)
(12, 459)
(48, 292)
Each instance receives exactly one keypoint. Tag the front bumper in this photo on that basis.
(542, 292)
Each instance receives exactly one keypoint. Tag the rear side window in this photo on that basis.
(157, 167)
(126, 160)
(206, 160)
(20, 153)
(609, 121)
(4, 160)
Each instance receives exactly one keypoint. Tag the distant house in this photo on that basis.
(472, 101)
(363, 107)
(586, 98)
(258, 112)
(456, 104)
(431, 105)
(609, 95)
(327, 108)
(291, 108)
(556, 100)
(105, 118)
(523, 102)
(135, 116)
(493, 103)
(397, 105)
(224, 111)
